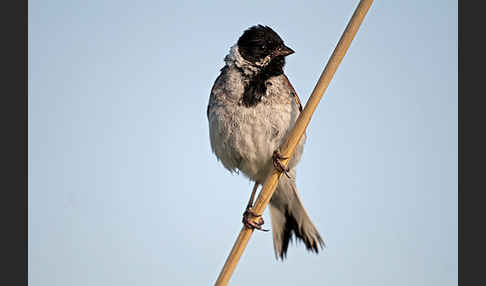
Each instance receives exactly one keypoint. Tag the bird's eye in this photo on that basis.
(263, 47)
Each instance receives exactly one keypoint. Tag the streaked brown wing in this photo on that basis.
(294, 93)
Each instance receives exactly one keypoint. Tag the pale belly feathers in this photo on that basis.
(244, 138)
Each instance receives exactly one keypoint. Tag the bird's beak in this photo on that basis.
(283, 51)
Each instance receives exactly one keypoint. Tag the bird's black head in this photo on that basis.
(260, 44)
(262, 47)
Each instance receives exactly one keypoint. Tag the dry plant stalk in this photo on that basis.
(297, 132)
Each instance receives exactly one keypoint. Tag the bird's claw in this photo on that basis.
(253, 220)
(276, 157)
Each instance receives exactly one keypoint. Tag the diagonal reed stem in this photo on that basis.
(295, 135)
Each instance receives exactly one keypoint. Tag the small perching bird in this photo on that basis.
(251, 110)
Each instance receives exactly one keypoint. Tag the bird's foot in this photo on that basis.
(276, 157)
(253, 220)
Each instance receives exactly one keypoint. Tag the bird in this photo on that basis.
(251, 110)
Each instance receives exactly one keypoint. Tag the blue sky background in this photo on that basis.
(124, 189)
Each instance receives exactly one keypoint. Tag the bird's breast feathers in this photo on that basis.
(244, 138)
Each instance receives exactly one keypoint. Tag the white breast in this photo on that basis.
(244, 138)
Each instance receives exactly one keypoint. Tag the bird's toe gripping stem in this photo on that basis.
(276, 157)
